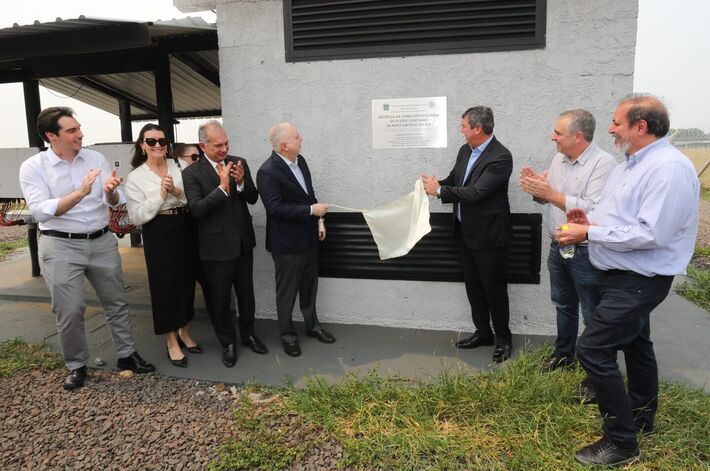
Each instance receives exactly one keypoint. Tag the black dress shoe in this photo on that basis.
(502, 352)
(605, 452)
(555, 362)
(229, 355)
(75, 379)
(256, 345)
(476, 340)
(292, 349)
(182, 362)
(135, 363)
(194, 349)
(322, 336)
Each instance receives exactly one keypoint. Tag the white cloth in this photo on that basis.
(143, 193)
(45, 179)
(399, 225)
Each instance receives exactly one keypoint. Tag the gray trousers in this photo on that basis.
(296, 275)
(65, 264)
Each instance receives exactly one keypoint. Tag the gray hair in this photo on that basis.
(204, 127)
(277, 134)
(480, 116)
(647, 107)
(580, 120)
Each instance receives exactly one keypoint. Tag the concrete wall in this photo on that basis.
(588, 62)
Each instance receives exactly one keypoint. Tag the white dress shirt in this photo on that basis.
(143, 193)
(45, 179)
(581, 181)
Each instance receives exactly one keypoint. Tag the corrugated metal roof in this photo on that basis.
(192, 93)
(194, 74)
(156, 28)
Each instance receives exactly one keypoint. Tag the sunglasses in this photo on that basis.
(194, 157)
(150, 141)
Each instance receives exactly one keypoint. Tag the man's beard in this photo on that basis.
(621, 143)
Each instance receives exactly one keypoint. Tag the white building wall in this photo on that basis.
(587, 62)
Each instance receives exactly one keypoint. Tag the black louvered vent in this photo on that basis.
(341, 29)
(349, 251)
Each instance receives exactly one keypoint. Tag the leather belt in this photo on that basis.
(69, 235)
(174, 211)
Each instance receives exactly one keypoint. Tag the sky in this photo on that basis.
(671, 61)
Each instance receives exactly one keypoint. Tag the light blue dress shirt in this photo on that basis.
(296, 170)
(475, 154)
(647, 218)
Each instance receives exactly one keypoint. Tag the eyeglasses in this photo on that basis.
(150, 141)
(194, 157)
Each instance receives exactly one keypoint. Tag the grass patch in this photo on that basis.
(6, 248)
(17, 356)
(270, 437)
(512, 418)
(701, 252)
(697, 288)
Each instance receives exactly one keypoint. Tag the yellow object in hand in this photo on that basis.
(564, 227)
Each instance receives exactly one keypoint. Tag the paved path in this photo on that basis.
(680, 330)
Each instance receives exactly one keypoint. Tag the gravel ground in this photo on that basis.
(146, 422)
(11, 233)
(112, 423)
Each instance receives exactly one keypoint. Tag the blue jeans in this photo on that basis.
(574, 282)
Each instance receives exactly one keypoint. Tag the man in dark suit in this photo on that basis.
(218, 189)
(293, 229)
(478, 188)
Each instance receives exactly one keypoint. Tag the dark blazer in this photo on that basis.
(225, 230)
(290, 228)
(485, 210)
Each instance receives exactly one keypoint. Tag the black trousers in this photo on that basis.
(200, 275)
(221, 278)
(171, 274)
(485, 274)
(296, 275)
(621, 321)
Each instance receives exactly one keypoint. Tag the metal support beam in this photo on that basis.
(34, 253)
(32, 109)
(164, 95)
(124, 114)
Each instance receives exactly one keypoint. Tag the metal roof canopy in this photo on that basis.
(136, 70)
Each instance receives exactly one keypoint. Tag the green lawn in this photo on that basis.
(6, 248)
(17, 356)
(697, 288)
(512, 418)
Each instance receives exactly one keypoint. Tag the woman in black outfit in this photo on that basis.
(156, 201)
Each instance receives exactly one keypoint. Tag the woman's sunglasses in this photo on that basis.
(152, 141)
(194, 157)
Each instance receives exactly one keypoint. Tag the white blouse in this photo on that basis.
(143, 193)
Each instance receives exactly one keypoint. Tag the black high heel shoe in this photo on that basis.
(182, 362)
(194, 349)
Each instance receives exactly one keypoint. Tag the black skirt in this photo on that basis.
(168, 247)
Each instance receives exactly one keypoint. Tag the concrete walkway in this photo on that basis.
(680, 330)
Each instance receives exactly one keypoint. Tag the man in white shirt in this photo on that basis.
(575, 179)
(68, 189)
